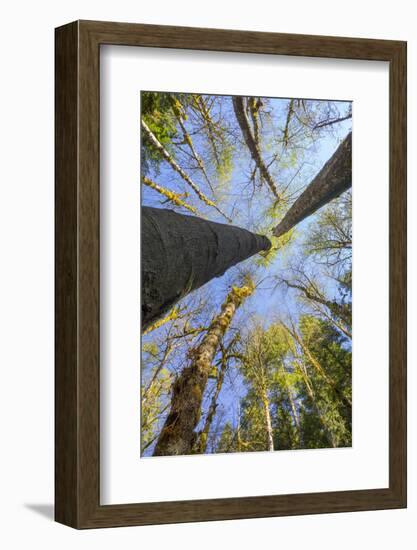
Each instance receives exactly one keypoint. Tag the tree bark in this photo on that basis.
(203, 436)
(177, 436)
(333, 179)
(291, 399)
(252, 145)
(182, 253)
(268, 423)
(287, 123)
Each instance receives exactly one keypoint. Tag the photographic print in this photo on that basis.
(246, 274)
(203, 274)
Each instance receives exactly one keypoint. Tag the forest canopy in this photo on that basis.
(246, 256)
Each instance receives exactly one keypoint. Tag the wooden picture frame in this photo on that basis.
(77, 382)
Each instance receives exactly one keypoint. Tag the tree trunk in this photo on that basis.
(204, 112)
(177, 436)
(203, 436)
(252, 145)
(152, 138)
(313, 295)
(333, 179)
(291, 399)
(287, 123)
(268, 423)
(317, 409)
(343, 329)
(189, 142)
(182, 253)
(329, 380)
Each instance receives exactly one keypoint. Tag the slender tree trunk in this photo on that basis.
(201, 107)
(182, 253)
(177, 436)
(268, 423)
(335, 308)
(254, 116)
(294, 411)
(312, 396)
(287, 123)
(189, 142)
(167, 352)
(252, 145)
(202, 442)
(333, 179)
(295, 415)
(346, 402)
(152, 138)
(343, 329)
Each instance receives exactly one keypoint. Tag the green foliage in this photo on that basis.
(310, 414)
(330, 349)
(150, 348)
(252, 423)
(224, 168)
(228, 440)
(158, 114)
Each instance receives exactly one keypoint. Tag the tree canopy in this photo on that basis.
(252, 352)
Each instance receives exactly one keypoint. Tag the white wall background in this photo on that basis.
(26, 273)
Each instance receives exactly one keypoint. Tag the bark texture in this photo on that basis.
(333, 179)
(182, 253)
(178, 435)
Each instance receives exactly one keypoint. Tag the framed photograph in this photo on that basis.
(230, 274)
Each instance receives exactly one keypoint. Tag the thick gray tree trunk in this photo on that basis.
(182, 253)
(333, 179)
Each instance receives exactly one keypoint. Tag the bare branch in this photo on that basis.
(329, 122)
(180, 171)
